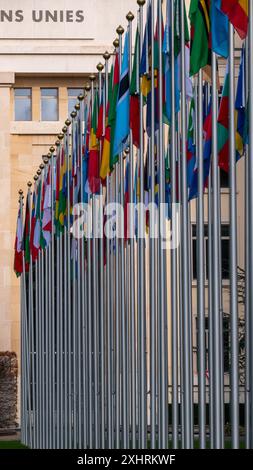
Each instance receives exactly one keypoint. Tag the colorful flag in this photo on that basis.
(18, 255)
(191, 152)
(223, 126)
(93, 163)
(26, 235)
(240, 107)
(33, 249)
(237, 12)
(200, 56)
(112, 110)
(122, 127)
(134, 95)
(105, 161)
(47, 211)
(219, 29)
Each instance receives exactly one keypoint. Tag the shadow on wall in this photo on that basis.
(8, 390)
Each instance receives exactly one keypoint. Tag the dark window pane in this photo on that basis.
(226, 344)
(225, 231)
(75, 92)
(224, 179)
(225, 259)
(194, 259)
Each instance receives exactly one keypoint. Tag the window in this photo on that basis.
(49, 104)
(23, 104)
(224, 251)
(73, 94)
(226, 342)
(224, 179)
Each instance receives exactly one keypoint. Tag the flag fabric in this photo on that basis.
(219, 29)
(33, 249)
(105, 161)
(122, 127)
(200, 56)
(134, 95)
(112, 110)
(237, 12)
(207, 150)
(47, 211)
(191, 151)
(223, 126)
(93, 163)
(18, 253)
(26, 235)
(240, 109)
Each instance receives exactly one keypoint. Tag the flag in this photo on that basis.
(122, 127)
(62, 205)
(93, 163)
(33, 249)
(26, 234)
(207, 128)
(191, 152)
(200, 55)
(18, 253)
(47, 211)
(237, 12)
(100, 126)
(134, 95)
(219, 29)
(223, 126)
(240, 109)
(105, 161)
(112, 110)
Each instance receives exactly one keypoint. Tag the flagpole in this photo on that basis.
(101, 322)
(246, 257)
(187, 314)
(130, 18)
(109, 313)
(173, 254)
(69, 309)
(233, 251)
(201, 271)
(22, 352)
(162, 251)
(250, 217)
(215, 280)
(152, 253)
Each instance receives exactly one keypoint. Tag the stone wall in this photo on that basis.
(8, 390)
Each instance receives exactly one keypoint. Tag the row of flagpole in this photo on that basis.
(107, 326)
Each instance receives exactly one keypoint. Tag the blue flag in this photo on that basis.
(219, 29)
(122, 127)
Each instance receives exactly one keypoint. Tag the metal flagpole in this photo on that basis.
(187, 314)
(22, 300)
(247, 249)
(215, 279)
(173, 254)
(152, 254)
(95, 300)
(109, 313)
(74, 291)
(69, 309)
(101, 316)
(124, 338)
(132, 390)
(142, 392)
(201, 271)
(57, 330)
(250, 217)
(31, 339)
(162, 251)
(233, 251)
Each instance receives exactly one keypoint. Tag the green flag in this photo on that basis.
(200, 34)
